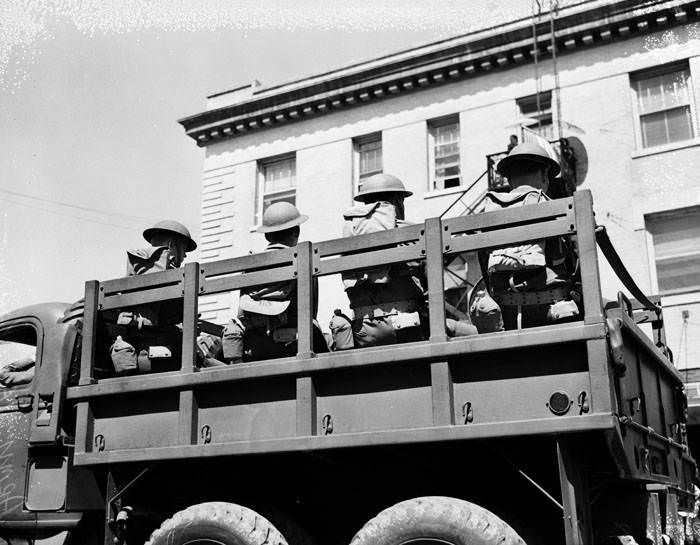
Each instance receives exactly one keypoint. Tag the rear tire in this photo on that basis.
(216, 523)
(436, 520)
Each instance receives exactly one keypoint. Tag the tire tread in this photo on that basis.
(259, 529)
(471, 517)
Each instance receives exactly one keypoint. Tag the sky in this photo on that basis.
(90, 94)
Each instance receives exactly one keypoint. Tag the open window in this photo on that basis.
(18, 355)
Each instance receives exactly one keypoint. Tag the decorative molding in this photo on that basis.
(499, 48)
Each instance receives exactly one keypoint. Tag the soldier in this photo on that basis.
(134, 350)
(533, 283)
(388, 302)
(266, 326)
(175, 237)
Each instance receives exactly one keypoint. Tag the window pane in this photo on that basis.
(677, 249)
(649, 92)
(675, 89)
(680, 126)
(17, 356)
(654, 129)
(667, 126)
(287, 196)
(279, 175)
(370, 159)
(662, 92)
(446, 163)
(528, 105)
(679, 273)
(676, 235)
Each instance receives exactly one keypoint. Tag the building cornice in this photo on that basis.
(585, 25)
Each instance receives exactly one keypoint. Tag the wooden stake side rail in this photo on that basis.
(304, 263)
(517, 428)
(368, 357)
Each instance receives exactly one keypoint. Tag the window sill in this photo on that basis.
(686, 296)
(443, 192)
(666, 148)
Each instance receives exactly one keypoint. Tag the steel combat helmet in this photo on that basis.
(528, 151)
(280, 216)
(382, 183)
(171, 226)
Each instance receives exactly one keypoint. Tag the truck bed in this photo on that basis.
(599, 374)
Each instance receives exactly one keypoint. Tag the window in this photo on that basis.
(541, 118)
(277, 182)
(676, 237)
(368, 158)
(664, 105)
(444, 152)
(17, 356)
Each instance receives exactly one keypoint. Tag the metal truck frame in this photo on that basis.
(570, 433)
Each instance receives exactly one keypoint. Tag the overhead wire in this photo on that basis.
(130, 217)
(125, 227)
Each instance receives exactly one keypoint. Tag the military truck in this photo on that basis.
(565, 433)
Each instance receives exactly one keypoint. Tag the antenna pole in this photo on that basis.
(553, 9)
(535, 49)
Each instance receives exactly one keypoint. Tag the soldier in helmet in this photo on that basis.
(266, 326)
(533, 284)
(388, 302)
(175, 237)
(134, 349)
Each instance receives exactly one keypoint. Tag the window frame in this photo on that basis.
(432, 125)
(357, 142)
(655, 71)
(260, 193)
(11, 400)
(658, 217)
(546, 112)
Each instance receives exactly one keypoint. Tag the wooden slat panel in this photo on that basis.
(370, 259)
(555, 425)
(435, 274)
(602, 393)
(539, 213)
(131, 283)
(392, 354)
(306, 407)
(187, 418)
(443, 393)
(588, 257)
(248, 262)
(87, 355)
(305, 292)
(189, 316)
(142, 297)
(240, 281)
(83, 427)
(366, 242)
(509, 236)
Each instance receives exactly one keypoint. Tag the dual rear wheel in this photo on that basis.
(433, 520)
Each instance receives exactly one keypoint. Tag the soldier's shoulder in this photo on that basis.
(147, 252)
(361, 210)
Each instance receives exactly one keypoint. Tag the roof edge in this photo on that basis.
(582, 25)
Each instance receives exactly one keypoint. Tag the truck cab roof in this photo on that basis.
(45, 312)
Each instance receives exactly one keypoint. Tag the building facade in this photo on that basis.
(625, 83)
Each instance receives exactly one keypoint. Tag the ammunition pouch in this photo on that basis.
(390, 308)
(544, 297)
(123, 356)
(284, 335)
